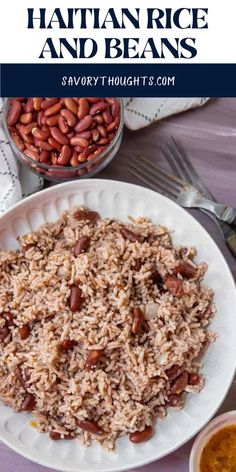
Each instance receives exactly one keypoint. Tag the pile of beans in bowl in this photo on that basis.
(63, 131)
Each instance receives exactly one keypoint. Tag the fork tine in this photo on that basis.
(180, 155)
(154, 177)
(173, 183)
(181, 164)
(157, 187)
(175, 161)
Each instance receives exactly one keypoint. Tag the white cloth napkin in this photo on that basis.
(141, 112)
(16, 181)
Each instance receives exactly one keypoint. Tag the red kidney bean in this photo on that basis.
(71, 134)
(90, 150)
(26, 118)
(71, 105)
(53, 110)
(4, 333)
(74, 159)
(83, 108)
(55, 436)
(63, 126)
(95, 135)
(97, 108)
(102, 131)
(8, 316)
(55, 144)
(37, 102)
(24, 331)
(77, 141)
(93, 99)
(174, 371)
(13, 113)
(81, 157)
(45, 145)
(84, 124)
(85, 134)
(18, 141)
(138, 265)
(28, 403)
(81, 245)
(68, 344)
(79, 149)
(107, 117)
(40, 117)
(103, 141)
(40, 134)
(110, 100)
(44, 120)
(175, 401)
(29, 106)
(185, 269)
(112, 126)
(91, 157)
(174, 285)
(130, 235)
(44, 156)
(19, 375)
(75, 299)
(86, 215)
(98, 119)
(141, 436)
(93, 358)
(194, 379)
(90, 426)
(111, 136)
(179, 384)
(138, 321)
(49, 102)
(65, 155)
(59, 136)
(54, 158)
(70, 118)
(29, 140)
(27, 373)
(29, 128)
(115, 109)
(53, 120)
(32, 154)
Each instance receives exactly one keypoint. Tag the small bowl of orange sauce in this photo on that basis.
(214, 449)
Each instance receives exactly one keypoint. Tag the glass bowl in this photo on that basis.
(64, 173)
(202, 439)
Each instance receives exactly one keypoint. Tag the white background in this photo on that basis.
(19, 44)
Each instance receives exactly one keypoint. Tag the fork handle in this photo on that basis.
(223, 212)
(231, 242)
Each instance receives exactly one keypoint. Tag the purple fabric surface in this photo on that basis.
(208, 135)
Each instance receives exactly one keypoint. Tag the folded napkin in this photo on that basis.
(141, 112)
(16, 181)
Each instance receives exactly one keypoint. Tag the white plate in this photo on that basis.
(116, 199)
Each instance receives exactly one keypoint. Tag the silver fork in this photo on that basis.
(183, 168)
(180, 191)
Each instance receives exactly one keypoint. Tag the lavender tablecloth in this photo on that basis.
(209, 136)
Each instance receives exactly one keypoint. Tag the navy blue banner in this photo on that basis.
(120, 80)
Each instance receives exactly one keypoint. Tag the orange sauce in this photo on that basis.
(219, 454)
